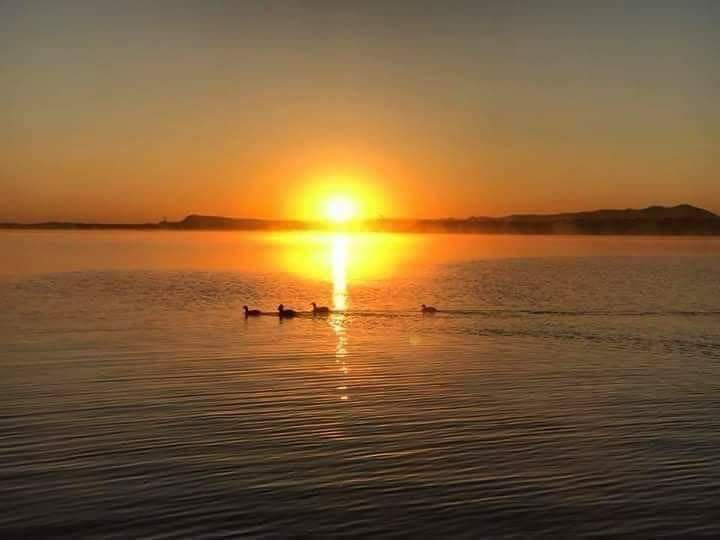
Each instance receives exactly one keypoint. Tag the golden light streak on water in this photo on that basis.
(339, 263)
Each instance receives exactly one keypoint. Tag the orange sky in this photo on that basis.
(133, 113)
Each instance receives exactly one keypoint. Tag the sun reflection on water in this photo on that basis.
(342, 260)
(338, 266)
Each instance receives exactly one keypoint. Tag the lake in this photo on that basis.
(569, 385)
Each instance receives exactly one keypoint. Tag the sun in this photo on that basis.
(340, 209)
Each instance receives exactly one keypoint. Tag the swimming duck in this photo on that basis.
(286, 313)
(320, 310)
(251, 312)
(428, 309)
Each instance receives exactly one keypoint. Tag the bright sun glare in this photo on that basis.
(340, 209)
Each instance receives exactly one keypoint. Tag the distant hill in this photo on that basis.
(683, 212)
(195, 221)
(654, 220)
(683, 219)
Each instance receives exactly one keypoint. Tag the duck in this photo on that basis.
(320, 310)
(428, 309)
(286, 313)
(251, 312)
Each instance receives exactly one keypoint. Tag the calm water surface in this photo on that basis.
(568, 387)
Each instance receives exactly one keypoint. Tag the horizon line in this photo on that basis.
(164, 220)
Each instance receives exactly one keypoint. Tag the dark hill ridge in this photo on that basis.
(682, 211)
(682, 219)
(676, 220)
(195, 221)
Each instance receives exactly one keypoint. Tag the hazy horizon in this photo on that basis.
(322, 219)
(128, 113)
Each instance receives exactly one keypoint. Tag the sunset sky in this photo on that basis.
(131, 111)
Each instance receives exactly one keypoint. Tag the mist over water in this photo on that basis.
(568, 385)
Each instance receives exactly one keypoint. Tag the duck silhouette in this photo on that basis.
(251, 312)
(320, 310)
(428, 309)
(286, 313)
